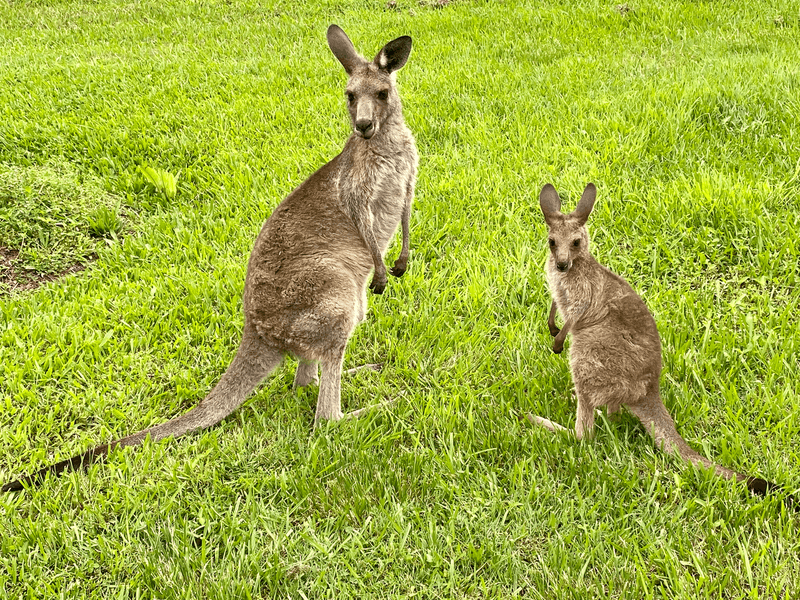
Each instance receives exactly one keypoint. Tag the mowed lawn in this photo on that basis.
(685, 115)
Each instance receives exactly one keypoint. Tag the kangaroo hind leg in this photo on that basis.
(584, 420)
(329, 402)
(306, 374)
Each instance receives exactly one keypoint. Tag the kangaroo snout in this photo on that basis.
(365, 128)
(562, 266)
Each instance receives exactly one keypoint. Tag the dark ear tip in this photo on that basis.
(335, 31)
(548, 188)
(758, 485)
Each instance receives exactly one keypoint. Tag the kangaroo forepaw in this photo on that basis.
(378, 284)
(554, 331)
(558, 347)
(399, 268)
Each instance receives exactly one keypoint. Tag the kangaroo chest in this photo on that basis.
(575, 295)
(379, 182)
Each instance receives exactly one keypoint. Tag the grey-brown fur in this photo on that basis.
(615, 356)
(305, 289)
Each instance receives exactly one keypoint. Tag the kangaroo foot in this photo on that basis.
(371, 366)
(546, 423)
(362, 411)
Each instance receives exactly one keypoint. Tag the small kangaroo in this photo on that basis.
(305, 289)
(615, 356)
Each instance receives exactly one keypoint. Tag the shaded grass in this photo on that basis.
(51, 219)
(683, 114)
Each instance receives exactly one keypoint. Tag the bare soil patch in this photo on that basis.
(14, 279)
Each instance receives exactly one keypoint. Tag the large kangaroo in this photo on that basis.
(615, 356)
(305, 289)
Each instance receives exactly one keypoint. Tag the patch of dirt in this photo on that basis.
(22, 280)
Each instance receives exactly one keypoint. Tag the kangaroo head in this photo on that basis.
(567, 234)
(371, 91)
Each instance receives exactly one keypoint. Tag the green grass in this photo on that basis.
(683, 113)
(52, 218)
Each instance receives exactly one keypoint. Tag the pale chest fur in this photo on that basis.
(577, 296)
(380, 177)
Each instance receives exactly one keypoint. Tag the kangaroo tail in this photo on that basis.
(658, 422)
(252, 363)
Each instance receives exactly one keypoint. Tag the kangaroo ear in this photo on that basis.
(343, 48)
(549, 202)
(394, 54)
(584, 208)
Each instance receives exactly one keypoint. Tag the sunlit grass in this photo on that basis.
(683, 114)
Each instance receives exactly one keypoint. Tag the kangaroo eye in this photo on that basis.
(576, 243)
(383, 94)
(351, 96)
(552, 243)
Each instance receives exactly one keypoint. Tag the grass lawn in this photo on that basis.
(685, 115)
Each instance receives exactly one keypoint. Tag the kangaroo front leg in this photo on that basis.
(558, 343)
(401, 263)
(551, 320)
(379, 278)
(363, 222)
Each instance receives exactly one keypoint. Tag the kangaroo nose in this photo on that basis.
(562, 266)
(364, 125)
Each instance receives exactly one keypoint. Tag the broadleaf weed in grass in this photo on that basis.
(104, 222)
(161, 181)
